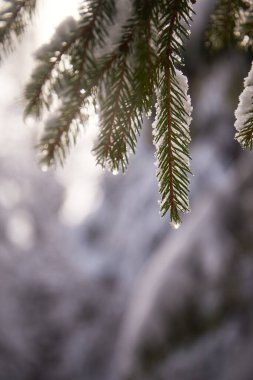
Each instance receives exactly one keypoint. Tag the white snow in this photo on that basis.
(183, 83)
(245, 105)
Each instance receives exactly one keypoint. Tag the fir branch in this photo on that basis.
(171, 127)
(172, 138)
(111, 149)
(145, 55)
(14, 19)
(128, 89)
(38, 92)
(75, 95)
(244, 114)
(79, 36)
(123, 81)
(221, 31)
(61, 132)
(244, 25)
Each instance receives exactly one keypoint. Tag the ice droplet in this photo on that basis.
(115, 172)
(44, 167)
(175, 225)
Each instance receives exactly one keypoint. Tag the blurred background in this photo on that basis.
(94, 284)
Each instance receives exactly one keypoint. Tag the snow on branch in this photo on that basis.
(173, 113)
(244, 113)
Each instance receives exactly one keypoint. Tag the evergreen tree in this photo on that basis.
(125, 75)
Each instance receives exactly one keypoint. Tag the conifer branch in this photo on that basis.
(38, 93)
(111, 148)
(244, 25)
(128, 89)
(75, 95)
(171, 133)
(14, 18)
(74, 72)
(145, 58)
(145, 54)
(61, 132)
(221, 31)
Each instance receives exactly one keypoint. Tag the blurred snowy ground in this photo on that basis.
(93, 283)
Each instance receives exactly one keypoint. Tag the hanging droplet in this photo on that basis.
(44, 164)
(44, 167)
(115, 172)
(175, 225)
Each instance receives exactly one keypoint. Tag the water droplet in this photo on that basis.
(44, 167)
(175, 225)
(115, 172)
